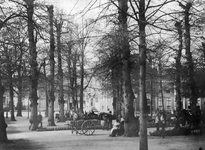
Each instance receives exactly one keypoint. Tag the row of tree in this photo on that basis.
(164, 38)
(141, 34)
(33, 39)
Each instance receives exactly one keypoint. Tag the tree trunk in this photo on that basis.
(33, 64)
(11, 95)
(46, 88)
(52, 71)
(19, 104)
(142, 79)
(161, 88)
(73, 81)
(69, 75)
(151, 95)
(178, 68)
(60, 72)
(3, 125)
(20, 82)
(191, 80)
(82, 79)
(128, 96)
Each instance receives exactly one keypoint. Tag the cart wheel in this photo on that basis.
(88, 128)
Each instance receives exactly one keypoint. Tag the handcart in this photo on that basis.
(83, 127)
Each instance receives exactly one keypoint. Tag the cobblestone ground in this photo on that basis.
(23, 139)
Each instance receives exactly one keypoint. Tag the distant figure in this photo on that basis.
(110, 119)
(157, 120)
(75, 116)
(39, 121)
(162, 120)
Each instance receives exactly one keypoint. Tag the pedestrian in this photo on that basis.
(162, 120)
(40, 119)
(110, 119)
(157, 120)
(106, 121)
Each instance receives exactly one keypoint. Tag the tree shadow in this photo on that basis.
(20, 144)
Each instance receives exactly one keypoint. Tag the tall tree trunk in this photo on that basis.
(128, 96)
(82, 79)
(20, 83)
(115, 93)
(46, 88)
(69, 75)
(151, 95)
(60, 72)
(178, 68)
(73, 81)
(20, 91)
(3, 125)
(11, 95)
(191, 80)
(82, 75)
(142, 79)
(161, 87)
(52, 71)
(33, 64)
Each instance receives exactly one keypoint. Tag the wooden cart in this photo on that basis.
(83, 127)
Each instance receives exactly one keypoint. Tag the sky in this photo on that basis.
(68, 6)
(74, 7)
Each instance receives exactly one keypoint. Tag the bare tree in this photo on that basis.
(3, 125)
(128, 96)
(191, 73)
(58, 24)
(178, 26)
(52, 70)
(34, 72)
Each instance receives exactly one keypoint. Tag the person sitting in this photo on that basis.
(118, 128)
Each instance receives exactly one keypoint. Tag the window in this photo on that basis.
(160, 102)
(169, 102)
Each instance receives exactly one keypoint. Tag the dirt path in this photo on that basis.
(23, 139)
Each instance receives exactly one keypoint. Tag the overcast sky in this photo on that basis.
(74, 7)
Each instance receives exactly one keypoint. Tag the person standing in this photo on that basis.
(157, 120)
(162, 120)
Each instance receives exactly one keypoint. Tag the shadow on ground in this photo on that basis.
(12, 130)
(20, 144)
